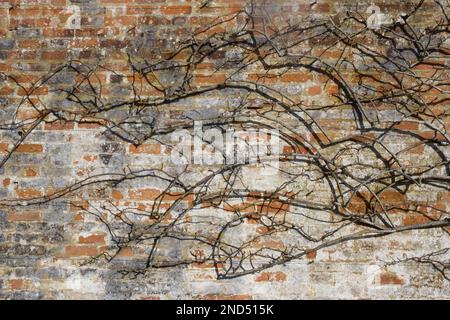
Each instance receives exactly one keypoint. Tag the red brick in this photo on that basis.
(314, 91)
(274, 207)
(23, 55)
(24, 12)
(24, 216)
(28, 193)
(6, 182)
(24, 78)
(262, 230)
(125, 252)
(206, 265)
(332, 89)
(5, 91)
(80, 251)
(392, 197)
(94, 238)
(30, 172)
(121, 20)
(415, 218)
(26, 114)
(176, 9)
(297, 149)
(54, 55)
(90, 158)
(29, 23)
(210, 79)
(271, 244)
(141, 10)
(389, 278)
(89, 126)
(432, 135)
(59, 125)
(407, 126)
(58, 33)
(271, 276)
(19, 284)
(144, 194)
(113, 44)
(311, 255)
(296, 77)
(4, 147)
(40, 91)
(116, 195)
(151, 148)
(30, 148)
(78, 205)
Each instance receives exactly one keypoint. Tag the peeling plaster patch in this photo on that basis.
(372, 273)
(74, 21)
(88, 283)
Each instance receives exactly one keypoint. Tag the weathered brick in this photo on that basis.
(210, 80)
(7, 44)
(30, 148)
(6, 182)
(81, 251)
(19, 284)
(25, 216)
(59, 125)
(389, 278)
(181, 9)
(311, 254)
(117, 195)
(4, 147)
(146, 148)
(125, 252)
(144, 194)
(30, 172)
(28, 193)
(271, 276)
(39, 242)
(313, 91)
(94, 238)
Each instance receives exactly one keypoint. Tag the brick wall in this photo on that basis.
(44, 248)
